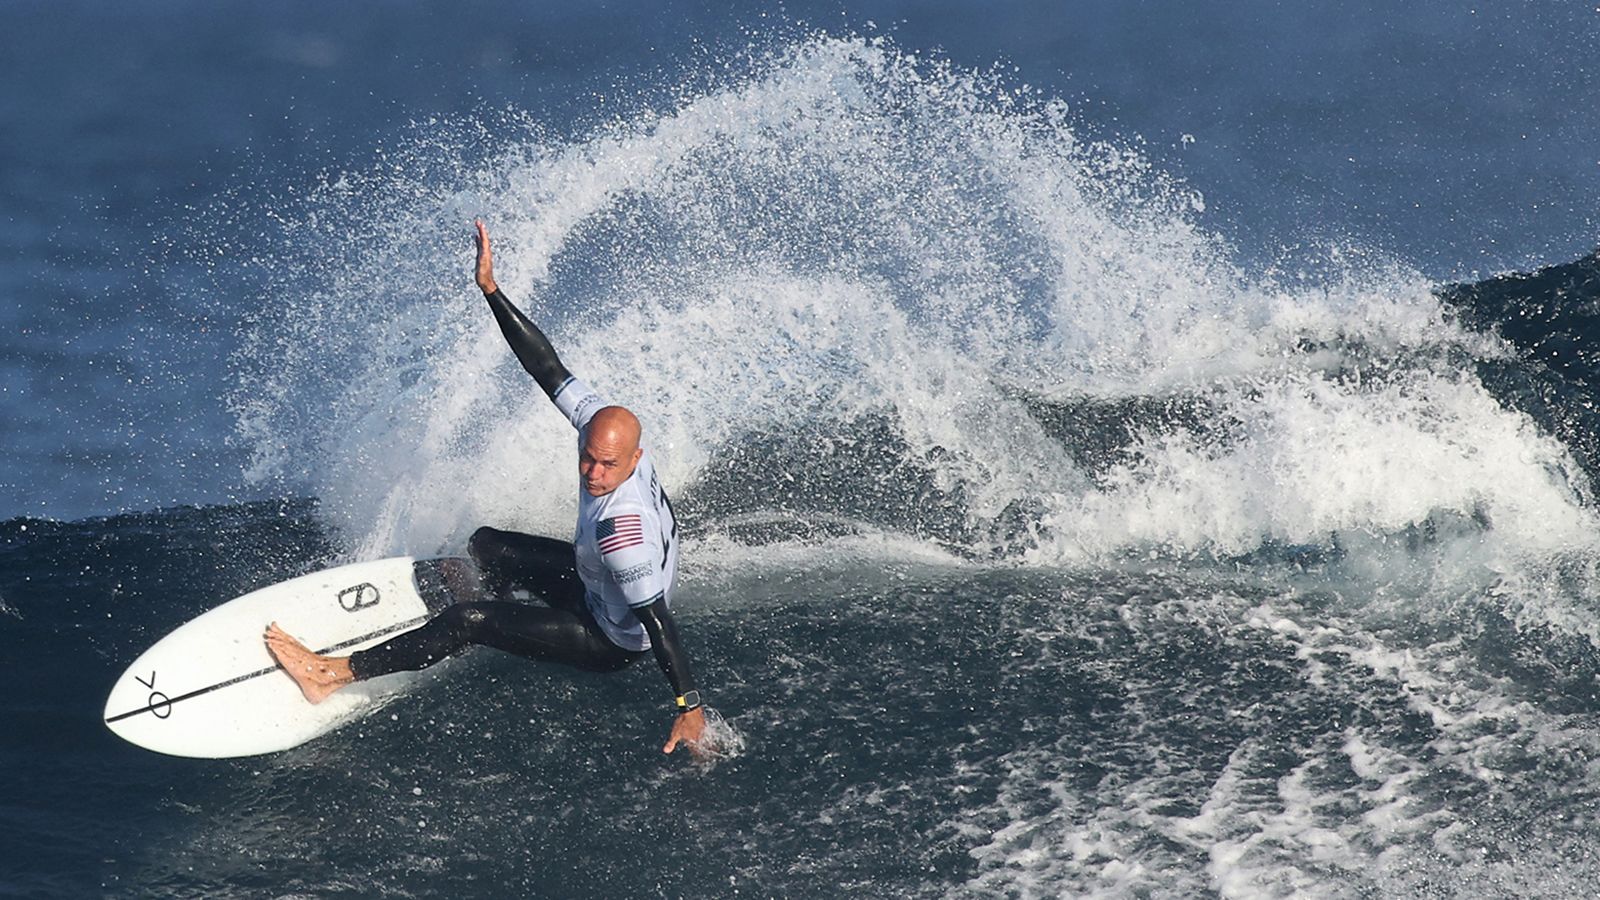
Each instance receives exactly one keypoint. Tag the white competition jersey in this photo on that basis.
(626, 540)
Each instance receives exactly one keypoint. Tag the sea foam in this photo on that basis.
(917, 268)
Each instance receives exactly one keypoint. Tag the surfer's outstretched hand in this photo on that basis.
(689, 729)
(485, 270)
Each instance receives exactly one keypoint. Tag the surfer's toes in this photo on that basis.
(281, 643)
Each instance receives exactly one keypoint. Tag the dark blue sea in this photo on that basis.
(1123, 449)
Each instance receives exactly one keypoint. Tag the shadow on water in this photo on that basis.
(1551, 318)
(836, 477)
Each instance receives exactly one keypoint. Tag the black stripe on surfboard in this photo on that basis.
(398, 626)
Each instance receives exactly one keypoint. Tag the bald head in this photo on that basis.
(614, 424)
(610, 450)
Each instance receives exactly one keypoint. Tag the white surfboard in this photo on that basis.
(211, 689)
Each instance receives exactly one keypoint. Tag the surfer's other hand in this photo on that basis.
(688, 729)
(485, 269)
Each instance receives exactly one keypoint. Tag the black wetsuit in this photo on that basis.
(563, 630)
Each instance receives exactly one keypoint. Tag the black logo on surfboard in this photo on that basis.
(158, 704)
(358, 597)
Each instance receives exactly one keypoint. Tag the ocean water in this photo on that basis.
(1114, 453)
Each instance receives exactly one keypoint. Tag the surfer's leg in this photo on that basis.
(553, 634)
(511, 560)
(532, 632)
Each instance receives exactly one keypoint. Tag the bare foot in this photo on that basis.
(317, 676)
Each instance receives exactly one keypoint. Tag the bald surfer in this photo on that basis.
(607, 595)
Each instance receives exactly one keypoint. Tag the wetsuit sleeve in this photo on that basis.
(635, 561)
(667, 646)
(530, 345)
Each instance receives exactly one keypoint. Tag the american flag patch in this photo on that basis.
(619, 533)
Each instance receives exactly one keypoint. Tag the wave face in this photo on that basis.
(1035, 545)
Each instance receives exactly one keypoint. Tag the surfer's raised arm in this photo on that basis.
(530, 345)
